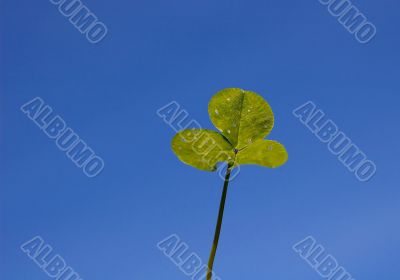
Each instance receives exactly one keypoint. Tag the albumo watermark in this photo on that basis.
(178, 119)
(188, 262)
(83, 19)
(51, 263)
(352, 19)
(65, 138)
(338, 143)
(323, 263)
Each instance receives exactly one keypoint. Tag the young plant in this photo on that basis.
(244, 119)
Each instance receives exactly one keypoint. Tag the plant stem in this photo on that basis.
(219, 223)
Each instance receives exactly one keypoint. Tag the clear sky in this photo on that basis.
(155, 52)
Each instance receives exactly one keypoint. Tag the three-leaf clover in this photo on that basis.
(244, 119)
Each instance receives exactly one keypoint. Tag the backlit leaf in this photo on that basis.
(267, 153)
(242, 116)
(202, 148)
(244, 119)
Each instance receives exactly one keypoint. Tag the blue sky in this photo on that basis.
(156, 52)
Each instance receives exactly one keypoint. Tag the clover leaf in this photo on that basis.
(244, 119)
(193, 148)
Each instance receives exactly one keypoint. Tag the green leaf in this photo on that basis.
(202, 148)
(242, 116)
(267, 153)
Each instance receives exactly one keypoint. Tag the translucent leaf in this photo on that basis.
(267, 153)
(242, 116)
(202, 148)
(244, 119)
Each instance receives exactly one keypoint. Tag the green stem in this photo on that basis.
(219, 223)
